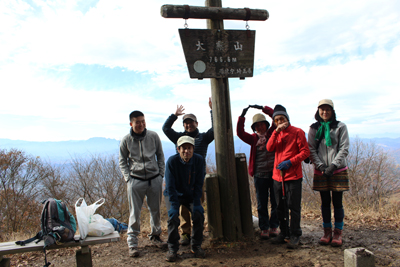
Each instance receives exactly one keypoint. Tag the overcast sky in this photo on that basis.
(72, 70)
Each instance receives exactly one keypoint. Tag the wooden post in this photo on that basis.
(4, 262)
(216, 13)
(213, 207)
(224, 149)
(223, 133)
(244, 195)
(84, 257)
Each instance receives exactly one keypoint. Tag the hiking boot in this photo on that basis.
(280, 239)
(337, 238)
(326, 239)
(133, 252)
(264, 234)
(156, 241)
(198, 252)
(185, 240)
(273, 232)
(171, 256)
(294, 242)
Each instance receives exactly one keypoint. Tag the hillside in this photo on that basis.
(63, 151)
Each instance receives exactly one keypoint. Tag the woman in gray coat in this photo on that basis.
(328, 140)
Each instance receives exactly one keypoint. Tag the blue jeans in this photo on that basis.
(264, 190)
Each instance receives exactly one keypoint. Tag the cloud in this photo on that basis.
(76, 69)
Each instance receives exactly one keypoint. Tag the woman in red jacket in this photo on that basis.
(261, 164)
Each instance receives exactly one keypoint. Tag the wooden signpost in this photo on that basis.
(219, 54)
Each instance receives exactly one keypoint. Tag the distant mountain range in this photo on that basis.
(64, 151)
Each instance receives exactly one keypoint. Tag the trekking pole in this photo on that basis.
(286, 211)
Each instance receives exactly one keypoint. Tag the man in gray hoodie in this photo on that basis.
(141, 160)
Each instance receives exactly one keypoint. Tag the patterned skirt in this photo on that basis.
(338, 182)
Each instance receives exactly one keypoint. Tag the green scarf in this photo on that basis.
(324, 129)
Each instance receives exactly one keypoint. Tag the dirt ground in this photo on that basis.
(384, 243)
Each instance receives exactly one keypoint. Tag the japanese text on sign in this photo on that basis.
(218, 53)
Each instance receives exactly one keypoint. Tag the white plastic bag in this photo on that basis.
(83, 214)
(98, 226)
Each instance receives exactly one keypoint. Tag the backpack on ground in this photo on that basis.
(57, 225)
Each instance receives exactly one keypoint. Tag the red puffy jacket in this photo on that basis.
(290, 144)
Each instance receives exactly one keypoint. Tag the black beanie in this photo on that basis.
(280, 110)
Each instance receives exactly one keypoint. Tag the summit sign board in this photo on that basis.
(218, 53)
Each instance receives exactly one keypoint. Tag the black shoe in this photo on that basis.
(198, 252)
(156, 241)
(294, 242)
(185, 240)
(280, 239)
(171, 256)
(133, 252)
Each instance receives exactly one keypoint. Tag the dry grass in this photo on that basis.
(386, 216)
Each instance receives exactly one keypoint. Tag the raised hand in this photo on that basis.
(179, 110)
(244, 111)
(256, 106)
(282, 126)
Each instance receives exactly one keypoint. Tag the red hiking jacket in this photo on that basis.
(290, 144)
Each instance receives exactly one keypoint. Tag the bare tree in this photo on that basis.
(309, 197)
(56, 185)
(20, 179)
(100, 177)
(373, 174)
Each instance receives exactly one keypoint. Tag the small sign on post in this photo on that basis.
(218, 53)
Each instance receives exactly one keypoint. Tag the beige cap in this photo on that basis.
(326, 102)
(185, 139)
(257, 118)
(189, 116)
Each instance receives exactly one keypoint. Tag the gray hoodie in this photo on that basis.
(141, 157)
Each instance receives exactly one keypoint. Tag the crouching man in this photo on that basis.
(184, 177)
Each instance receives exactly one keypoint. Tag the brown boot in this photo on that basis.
(326, 239)
(337, 238)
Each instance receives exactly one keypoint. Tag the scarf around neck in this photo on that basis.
(324, 130)
(262, 139)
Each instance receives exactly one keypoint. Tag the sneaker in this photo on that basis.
(133, 252)
(156, 241)
(264, 234)
(337, 238)
(171, 256)
(273, 232)
(198, 252)
(280, 239)
(185, 240)
(326, 239)
(294, 242)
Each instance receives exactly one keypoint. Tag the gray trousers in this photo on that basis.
(137, 190)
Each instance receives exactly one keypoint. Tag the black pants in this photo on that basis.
(336, 199)
(173, 227)
(293, 203)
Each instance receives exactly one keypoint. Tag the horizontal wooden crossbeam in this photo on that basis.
(198, 12)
